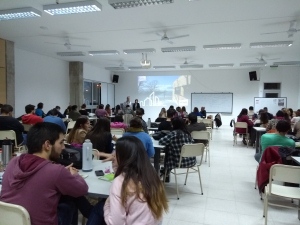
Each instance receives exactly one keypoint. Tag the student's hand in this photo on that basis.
(109, 157)
(114, 138)
(72, 170)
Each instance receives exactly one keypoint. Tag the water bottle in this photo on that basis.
(149, 122)
(7, 149)
(87, 156)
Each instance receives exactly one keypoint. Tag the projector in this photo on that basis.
(146, 64)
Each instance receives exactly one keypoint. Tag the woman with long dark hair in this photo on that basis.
(196, 111)
(107, 109)
(79, 131)
(243, 117)
(173, 142)
(100, 136)
(137, 196)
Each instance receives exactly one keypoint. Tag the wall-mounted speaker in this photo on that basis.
(115, 79)
(252, 76)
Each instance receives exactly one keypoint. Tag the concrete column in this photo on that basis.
(10, 73)
(76, 83)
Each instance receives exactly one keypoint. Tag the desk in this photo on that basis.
(96, 186)
(296, 159)
(259, 132)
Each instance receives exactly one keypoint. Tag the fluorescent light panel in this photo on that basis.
(221, 65)
(137, 68)
(70, 53)
(108, 52)
(115, 68)
(164, 67)
(271, 44)
(72, 7)
(222, 46)
(122, 4)
(288, 63)
(134, 51)
(252, 64)
(21, 13)
(179, 49)
(191, 66)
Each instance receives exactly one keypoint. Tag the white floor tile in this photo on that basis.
(220, 218)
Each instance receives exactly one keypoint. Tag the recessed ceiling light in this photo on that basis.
(134, 51)
(222, 46)
(288, 63)
(191, 66)
(253, 64)
(122, 4)
(20, 13)
(108, 52)
(271, 44)
(221, 65)
(179, 49)
(70, 53)
(72, 7)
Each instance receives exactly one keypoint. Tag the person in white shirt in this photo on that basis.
(127, 102)
(296, 119)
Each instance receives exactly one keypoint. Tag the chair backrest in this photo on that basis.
(243, 125)
(191, 150)
(27, 127)
(207, 122)
(201, 135)
(284, 173)
(13, 214)
(199, 119)
(8, 134)
(70, 126)
(96, 157)
(117, 131)
(127, 118)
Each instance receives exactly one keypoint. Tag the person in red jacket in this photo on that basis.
(30, 117)
(243, 117)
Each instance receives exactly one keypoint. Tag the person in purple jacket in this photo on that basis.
(45, 189)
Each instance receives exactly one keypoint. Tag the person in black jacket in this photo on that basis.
(7, 122)
(203, 112)
(136, 105)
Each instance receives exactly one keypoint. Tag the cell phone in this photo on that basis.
(99, 173)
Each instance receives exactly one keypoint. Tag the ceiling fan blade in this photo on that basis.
(158, 34)
(274, 32)
(80, 45)
(152, 40)
(53, 43)
(274, 59)
(180, 36)
(170, 42)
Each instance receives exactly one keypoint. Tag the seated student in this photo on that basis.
(196, 111)
(280, 115)
(296, 118)
(67, 111)
(136, 129)
(77, 135)
(173, 142)
(39, 111)
(60, 115)
(100, 136)
(53, 118)
(30, 117)
(34, 182)
(139, 113)
(251, 114)
(118, 123)
(163, 113)
(270, 115)
(118, 110)
(137, 196)
(83, 111)
(203, 112)
(74, 114)
(107, 109)
(243, 117)
(184, 112)
(194, 126)
(276, 139)
(100, 112)
(128, 110)
(297, 129)
(167, 125)
(7, 122)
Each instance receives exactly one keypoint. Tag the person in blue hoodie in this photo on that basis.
(39, 111)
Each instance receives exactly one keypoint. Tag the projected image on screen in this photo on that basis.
(163, 90)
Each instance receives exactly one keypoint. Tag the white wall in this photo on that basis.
(91, 72)
(40, 78)
(219, 80)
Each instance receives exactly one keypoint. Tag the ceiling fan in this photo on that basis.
(164, 37)
(67, 44)
(263, 60)
(291, 31)
(186, 62)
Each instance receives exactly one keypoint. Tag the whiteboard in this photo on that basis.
(213, 102)
(273, 104)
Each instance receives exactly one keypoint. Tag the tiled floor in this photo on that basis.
(228, 185)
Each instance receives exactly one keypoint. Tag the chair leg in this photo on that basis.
(208, 152)
(200, 180)
(165, 175)
(187, 172)
(176, 184)
(205, 154)
(266, 209)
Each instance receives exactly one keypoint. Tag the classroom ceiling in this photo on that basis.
(207, 22)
